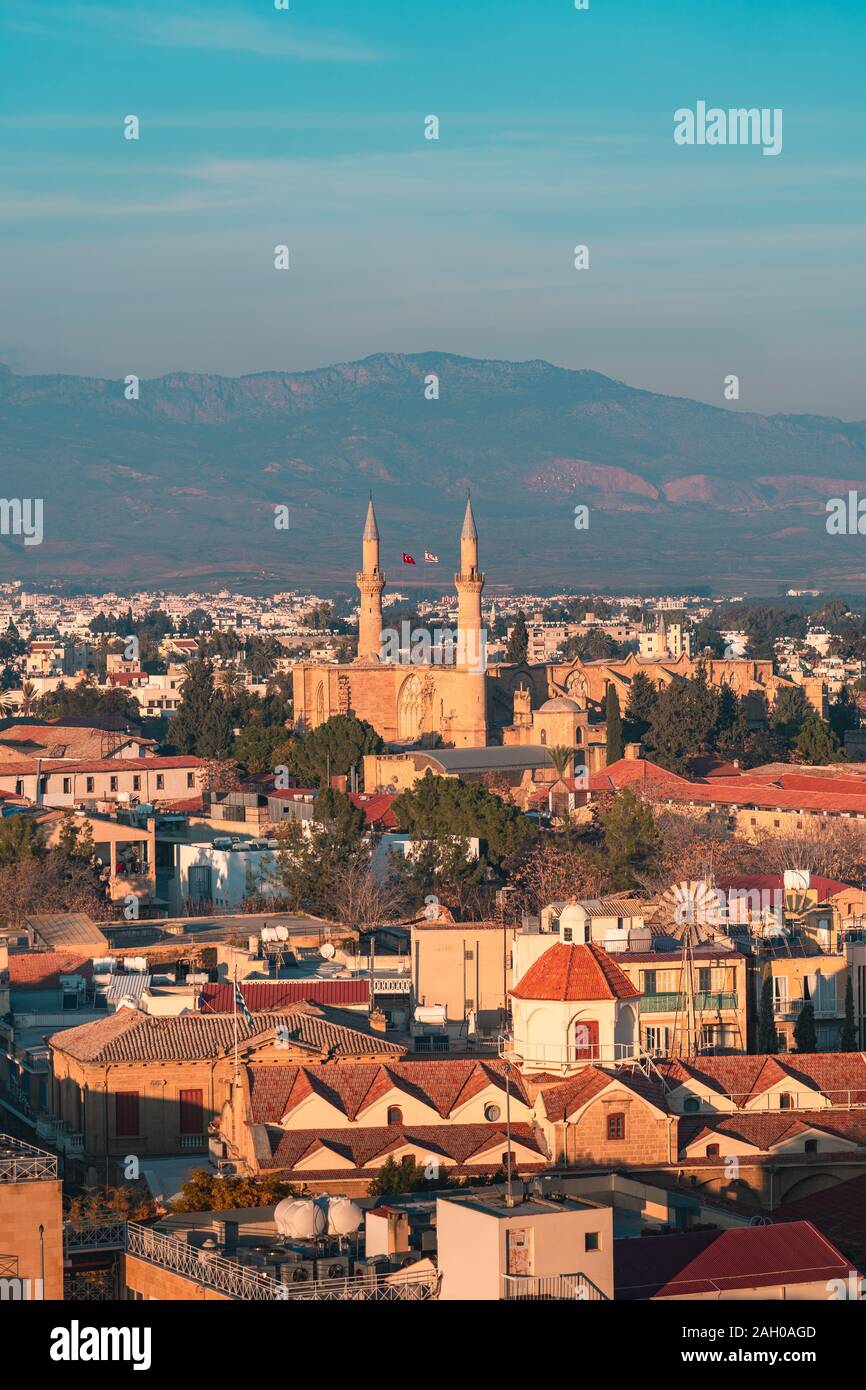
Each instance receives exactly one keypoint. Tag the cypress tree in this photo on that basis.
(613, 722)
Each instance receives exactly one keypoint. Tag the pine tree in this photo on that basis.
(805, 1033)
(768, 1041)
(613, 724)
(518, 643)
(631, 839)
(642, 699)
(817, 744)
(848, 1035)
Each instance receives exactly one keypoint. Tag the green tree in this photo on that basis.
(805, 1032)
(632, 842)
(518, 643)
(613, 725)
(20, 838)
(817, 744)
(848, 1035)
(684, 722)
(216, 736)
(444, 808)
(844, 714)
(642, 701)
(256, 745)
(333, 749)
(789, 713)
(197, 697)
(768, 1040)
(394, 1178)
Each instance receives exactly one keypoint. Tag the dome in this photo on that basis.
(560, 704)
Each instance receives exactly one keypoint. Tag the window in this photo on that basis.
(126, 1114)
(468, 953)
(785, 1100)
(191, 1121)
(712, 1151)
(616, 1125)
(160, 781)
(810, 1146)
(567, 933)
(190, 779)
(691, 1105)
(649, 982)
(112, 784)
(19, 786)
(592, 1240)
(395, 1115)
(492, 1113)
(136, 783)
(67, 785)
(89, 784)
(705, 980)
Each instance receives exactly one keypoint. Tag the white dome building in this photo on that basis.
(572, 1007)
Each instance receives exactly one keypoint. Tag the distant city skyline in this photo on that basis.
(306, 128)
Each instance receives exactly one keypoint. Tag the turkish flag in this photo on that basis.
(407, 559)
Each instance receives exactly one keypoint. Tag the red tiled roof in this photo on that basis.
(261, 995)
(443, 1085)
(575, 972)
(787, 792)
(712, 1262)
(766, 1129)
(377, 808)
(840, 1076)
(43, 969)
(824, 887)
(364, 1145)
(154, 764)
(628, 771)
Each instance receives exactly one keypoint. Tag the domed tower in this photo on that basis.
(469, 582)
(371, 582)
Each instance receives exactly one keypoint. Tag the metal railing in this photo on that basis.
(20, 1162)
(551, 1287)
(239, 1282)
(797, 1100)
(102, 1235)
(566, 1054)
(706, 1001)
(823, 1008)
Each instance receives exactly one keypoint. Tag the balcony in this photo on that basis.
(549, 1288)
(791, 1008)
(20, 1162)
(706, 1001)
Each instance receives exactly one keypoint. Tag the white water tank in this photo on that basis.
(344, 1216)
(300, 1218)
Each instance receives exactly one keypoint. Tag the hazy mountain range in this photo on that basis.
(179, 487)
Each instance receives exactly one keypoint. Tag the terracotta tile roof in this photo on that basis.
(377, 808)
(363, 1146)
(839, 1213)
(259, 995)
(710, 1262)
(629, 771)
(575, 972)
(563, 1098)
(156, 764)
(825, 888)
(443, 1085)
(130, 1036)
(767, 1129)
(840, 1076)
(43, 969)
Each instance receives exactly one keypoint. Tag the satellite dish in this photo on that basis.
(327, 951)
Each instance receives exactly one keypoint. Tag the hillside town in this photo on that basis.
(525, 961)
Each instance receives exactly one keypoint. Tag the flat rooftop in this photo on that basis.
(496, 1205)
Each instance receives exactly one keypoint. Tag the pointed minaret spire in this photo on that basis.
(469, 532)
(371, 530)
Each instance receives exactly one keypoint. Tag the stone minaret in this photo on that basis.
(469, 583)
(371, 582)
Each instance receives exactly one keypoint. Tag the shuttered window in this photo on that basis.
(126, 1113)
(191, 1112)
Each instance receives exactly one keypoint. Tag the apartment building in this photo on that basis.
(31, 1222)
(53, 782)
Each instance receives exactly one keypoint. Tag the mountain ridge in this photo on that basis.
(180, 485)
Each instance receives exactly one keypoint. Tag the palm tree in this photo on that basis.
(561, 759)
(28, 697)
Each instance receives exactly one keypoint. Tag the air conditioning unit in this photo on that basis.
(302, 1272)
(333, 1267)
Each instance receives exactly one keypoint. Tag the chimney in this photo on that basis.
(633, 751)
(378, 1021)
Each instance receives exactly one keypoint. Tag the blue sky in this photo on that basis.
(305, 127)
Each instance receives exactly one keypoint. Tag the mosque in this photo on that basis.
(464, 705)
